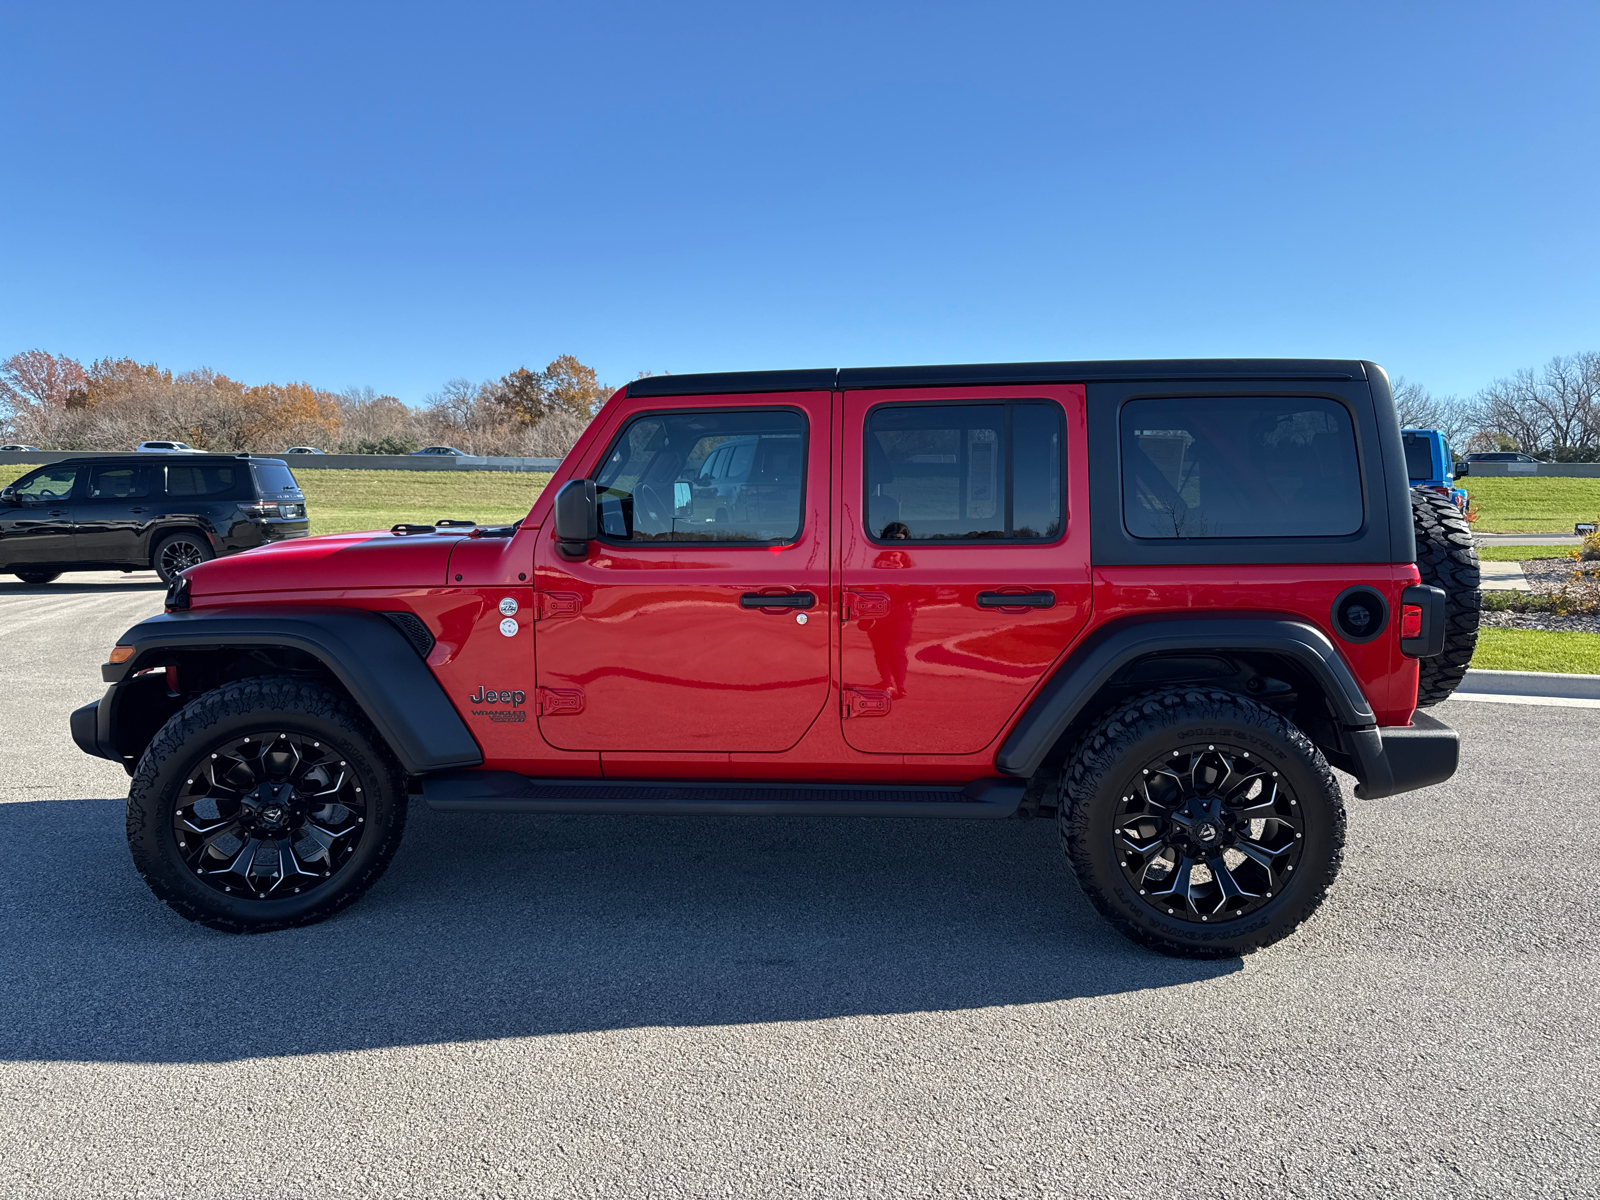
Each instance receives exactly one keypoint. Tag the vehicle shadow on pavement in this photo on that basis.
(18, 588)
(495, 927)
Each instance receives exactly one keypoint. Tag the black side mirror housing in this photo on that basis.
(577, 517)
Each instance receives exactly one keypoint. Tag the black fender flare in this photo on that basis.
(364, 650)
(1107, 650)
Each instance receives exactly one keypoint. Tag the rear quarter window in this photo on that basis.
(222, 481)
(1419, 457)
(1232, 467)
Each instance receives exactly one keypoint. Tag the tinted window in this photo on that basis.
(273, 478)
(53, 483)
(653, 486)
(1259, 467)
(1419, 457)
(120, 482)
(204, 479)
(940, 472)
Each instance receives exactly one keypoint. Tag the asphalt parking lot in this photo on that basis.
(687, 1007)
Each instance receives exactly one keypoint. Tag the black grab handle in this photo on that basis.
(786, 600)
(1026, 600)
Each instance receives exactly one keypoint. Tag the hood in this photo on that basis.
(332, 561)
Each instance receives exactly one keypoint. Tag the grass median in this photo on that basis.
(1540, 504)
(347, 501)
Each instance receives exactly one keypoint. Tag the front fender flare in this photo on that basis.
(363, 650)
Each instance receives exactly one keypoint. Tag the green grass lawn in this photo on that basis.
(344, 501)
(1536, 505)
(1519, 553)
(347, 501)
(1534, 650)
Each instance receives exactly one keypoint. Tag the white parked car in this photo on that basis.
(167, 448)
(304, 450)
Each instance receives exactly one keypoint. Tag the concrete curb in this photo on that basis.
(1531, 683)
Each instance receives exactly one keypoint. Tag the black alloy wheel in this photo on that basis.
(1200, 822)
(37, 577)
(1208, 833)
(270, 815)
(265, 804)
(177, 553)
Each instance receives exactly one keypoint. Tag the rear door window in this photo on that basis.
(1205, 467)
(964, 472)
(222, 480)
(132, 482)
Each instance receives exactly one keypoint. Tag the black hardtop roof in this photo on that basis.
(999, 374)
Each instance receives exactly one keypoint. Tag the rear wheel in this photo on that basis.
(1201, 823)
(37, 576)
(265, 804)
(1448, 560)
(177, 552)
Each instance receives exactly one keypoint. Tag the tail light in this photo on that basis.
(1411, 621)
(260, 510)
(1422, 621)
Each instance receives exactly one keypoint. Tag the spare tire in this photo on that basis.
(1449, 561)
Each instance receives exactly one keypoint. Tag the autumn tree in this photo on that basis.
(565, 387)
(39, 379)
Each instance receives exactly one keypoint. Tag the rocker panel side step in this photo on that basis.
(508, 792)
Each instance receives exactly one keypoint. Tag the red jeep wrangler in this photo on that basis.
(1157, 598)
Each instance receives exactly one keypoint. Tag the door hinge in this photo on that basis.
(553, 702)
(864, 604)
(865, 702)
(556, 604)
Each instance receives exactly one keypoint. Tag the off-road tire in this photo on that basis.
(1447, 560)
(213, 720)
(37, 577)
(167, 560)
(1108, 761)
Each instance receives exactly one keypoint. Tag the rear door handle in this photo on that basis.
(783, 600)
(1019, 600)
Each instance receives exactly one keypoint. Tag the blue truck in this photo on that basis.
(1431, 464)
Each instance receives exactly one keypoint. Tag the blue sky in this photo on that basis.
(393, 195)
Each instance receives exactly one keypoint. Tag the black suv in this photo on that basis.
(129, 512)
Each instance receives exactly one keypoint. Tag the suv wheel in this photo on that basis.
(1447, 559)
(265, 804)
(177, 552)
(37, 576)
(1201, 823)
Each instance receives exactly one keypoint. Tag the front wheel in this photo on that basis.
(37, 577)
(177, 552)
(265, 804)
(1201, 823)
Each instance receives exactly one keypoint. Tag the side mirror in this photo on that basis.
(577, 518)
(8, 495)
(682, 498)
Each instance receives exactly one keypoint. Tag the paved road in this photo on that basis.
(684, 1007)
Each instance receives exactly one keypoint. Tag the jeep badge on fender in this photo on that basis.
(1159, 601)
(488, 696)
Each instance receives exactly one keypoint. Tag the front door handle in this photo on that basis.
(782, 600)
(1016, 600)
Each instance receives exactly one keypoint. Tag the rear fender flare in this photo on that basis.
(363, 650)
(1095, 663)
